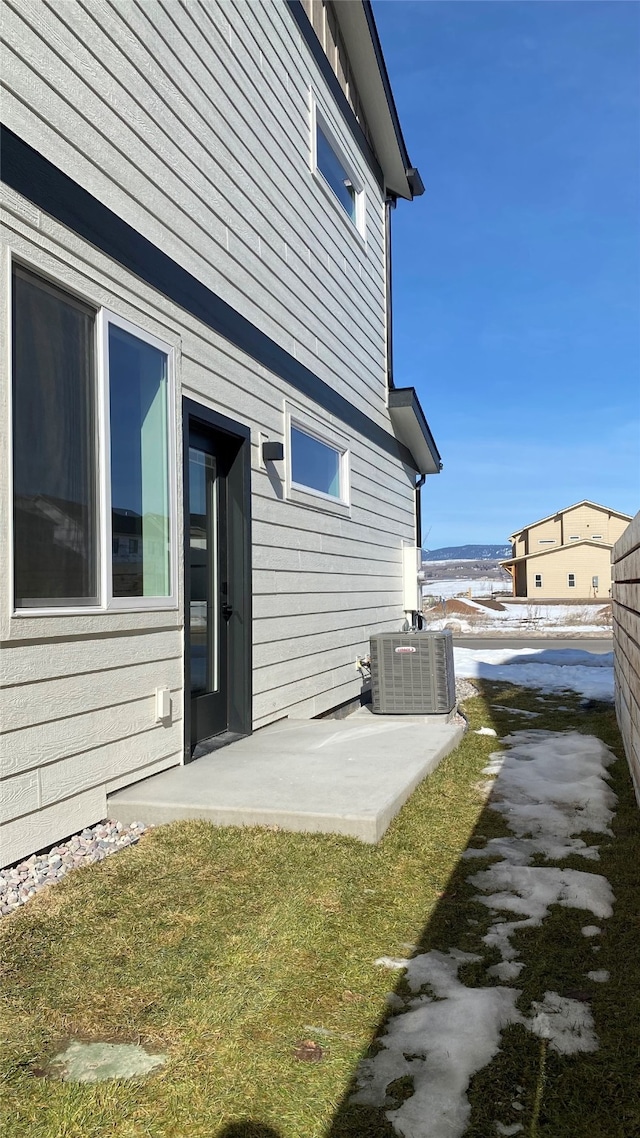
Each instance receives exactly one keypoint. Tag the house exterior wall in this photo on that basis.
(547, 531)
(626, 643)
(585, 561)
(586, 520)
(192, 124)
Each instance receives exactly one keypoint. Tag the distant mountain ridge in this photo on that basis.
(467, 553)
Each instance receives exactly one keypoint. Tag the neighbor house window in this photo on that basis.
(594, 582)
(571, 580)
(546, 541)
(316, 465)
(596, 537)
(78, 502)
(574, 537)
(538, 580)
(54, 447)
(335, 171)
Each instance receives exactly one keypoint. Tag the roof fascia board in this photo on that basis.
(559, 549)
(308, 34)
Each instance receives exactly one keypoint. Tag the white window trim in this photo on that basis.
(359, 225)
(137, 604)
(306, 495)
(569, 584)
(107, 603)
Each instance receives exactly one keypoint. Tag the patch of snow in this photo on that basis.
(439, 1043)
(590, 930)
(550, 787)
(567, 1024)
(486, 731)
(518, 711)
(551, 670)
(600, 976)
(391, 962)
(515, 1128)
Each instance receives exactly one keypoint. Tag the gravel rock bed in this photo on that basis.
(465, 690)
(21, 881)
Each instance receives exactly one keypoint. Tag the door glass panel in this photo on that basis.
(203, 568)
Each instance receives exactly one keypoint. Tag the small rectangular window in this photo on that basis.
(315, 465)
(571, 580)
(574, 537)
(546, 541)
(54, 447)
(335, 174)
(594, 582)
(138, 382)
(538, 580)
(334, 170)
(596, 537)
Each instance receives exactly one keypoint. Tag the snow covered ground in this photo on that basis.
(552, 670)
(480, 587)
(516, 618)
(550, 787)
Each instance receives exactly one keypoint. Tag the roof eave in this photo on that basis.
(411, 428)
(360, 34)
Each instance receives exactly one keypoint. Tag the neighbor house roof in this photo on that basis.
(558, 549)
(565, 510)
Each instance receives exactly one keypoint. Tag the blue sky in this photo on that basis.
(517, 274)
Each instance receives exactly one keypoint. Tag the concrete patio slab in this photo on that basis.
(348, 776)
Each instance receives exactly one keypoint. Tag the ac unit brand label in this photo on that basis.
(408, 648)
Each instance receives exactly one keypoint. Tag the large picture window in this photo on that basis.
(92, 527)
(54, 447)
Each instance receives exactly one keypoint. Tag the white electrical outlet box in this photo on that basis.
(410, 590)
(163, 704)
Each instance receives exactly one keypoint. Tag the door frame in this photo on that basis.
(240, 663)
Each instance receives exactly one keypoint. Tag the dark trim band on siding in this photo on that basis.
(31, 174)
(308, 34)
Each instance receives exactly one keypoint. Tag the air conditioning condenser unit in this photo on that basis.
(412, 673)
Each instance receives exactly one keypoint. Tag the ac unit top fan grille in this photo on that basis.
(412, 673)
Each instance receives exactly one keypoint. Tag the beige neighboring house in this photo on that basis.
(567, 554)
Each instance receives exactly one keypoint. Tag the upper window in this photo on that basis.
(546, 541)
(335, 171)
(596, 537)
(571, 580)
(61, 536)
(317, 466)
(538, 580)
(574, 537)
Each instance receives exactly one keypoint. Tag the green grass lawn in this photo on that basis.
(227, 948)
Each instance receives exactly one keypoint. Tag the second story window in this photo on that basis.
(334, 172)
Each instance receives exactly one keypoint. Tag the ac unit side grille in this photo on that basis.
(412, 673)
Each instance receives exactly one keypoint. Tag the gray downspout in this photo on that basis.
(389, 204)
(419, 484)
